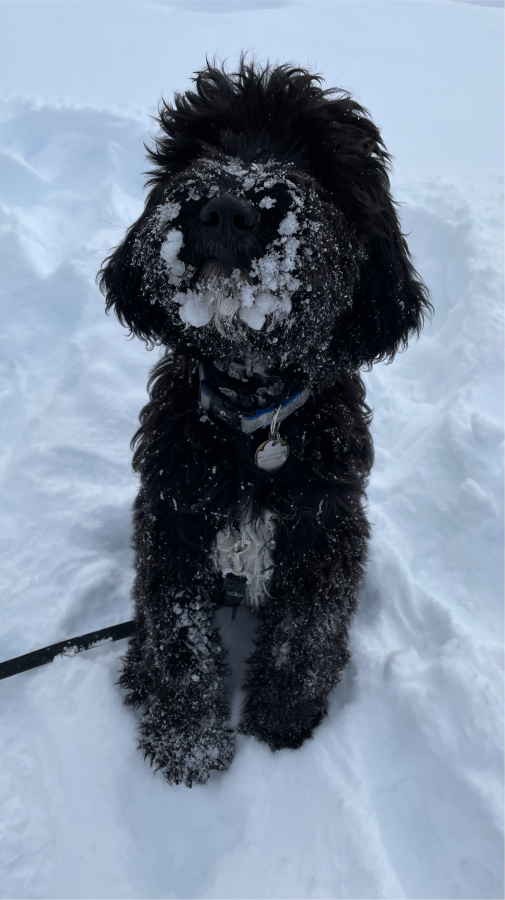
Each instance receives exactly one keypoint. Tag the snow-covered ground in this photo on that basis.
(399, 794)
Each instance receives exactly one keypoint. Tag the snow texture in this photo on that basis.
(399, 794)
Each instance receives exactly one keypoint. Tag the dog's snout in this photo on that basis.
(229, 216)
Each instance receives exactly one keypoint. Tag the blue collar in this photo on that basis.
(221, 409)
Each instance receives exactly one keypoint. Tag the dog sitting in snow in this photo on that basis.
(270, 265)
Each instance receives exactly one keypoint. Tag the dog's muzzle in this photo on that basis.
(227, 228)
(229, 217)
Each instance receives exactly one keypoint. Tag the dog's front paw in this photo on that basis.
(281, 726)
(186, 753)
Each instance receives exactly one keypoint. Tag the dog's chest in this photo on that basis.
(246, 552)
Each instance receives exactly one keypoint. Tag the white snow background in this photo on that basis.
(399, 794)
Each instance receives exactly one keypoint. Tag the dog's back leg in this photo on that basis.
(176, 666)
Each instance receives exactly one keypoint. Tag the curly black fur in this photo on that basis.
(309, 168)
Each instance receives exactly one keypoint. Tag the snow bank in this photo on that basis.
(399, 793)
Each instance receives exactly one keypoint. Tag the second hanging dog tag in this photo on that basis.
(272, 454)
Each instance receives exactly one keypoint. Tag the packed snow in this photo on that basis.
(399, 795)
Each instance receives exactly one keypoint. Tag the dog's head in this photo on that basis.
(269, 232)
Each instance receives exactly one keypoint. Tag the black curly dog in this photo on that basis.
(270, 265)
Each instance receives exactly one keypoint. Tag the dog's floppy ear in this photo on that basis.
(390, 302)
(120, 280)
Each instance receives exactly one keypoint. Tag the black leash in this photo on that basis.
(95, 638)
(77, 644)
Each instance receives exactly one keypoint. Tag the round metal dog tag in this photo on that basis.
(272, 454)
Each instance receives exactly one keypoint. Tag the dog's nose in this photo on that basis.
(228, 216)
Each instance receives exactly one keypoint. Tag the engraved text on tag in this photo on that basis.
(271, 455)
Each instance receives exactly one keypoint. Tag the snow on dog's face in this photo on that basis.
(247, 259)
(269, 232)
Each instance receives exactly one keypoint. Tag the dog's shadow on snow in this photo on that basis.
(238, 637)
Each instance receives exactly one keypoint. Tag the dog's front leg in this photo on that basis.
(176, 666)
(301, 646)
